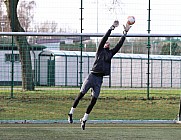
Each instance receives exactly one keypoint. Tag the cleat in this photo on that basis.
(70, 120)
(82, 124)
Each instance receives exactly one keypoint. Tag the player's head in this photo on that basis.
(107, 45)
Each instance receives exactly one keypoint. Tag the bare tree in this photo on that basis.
(47, 26)
(25, 14)
(115, 7)
(23, 45)
(4, 24)
(1, 17)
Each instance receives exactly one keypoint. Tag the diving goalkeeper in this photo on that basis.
(101, 67)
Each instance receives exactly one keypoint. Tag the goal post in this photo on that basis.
(179, 113)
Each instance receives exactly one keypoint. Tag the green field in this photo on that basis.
(92, 132)
(54, 104)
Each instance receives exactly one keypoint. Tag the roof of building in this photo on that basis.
(10, 46)
(7, 44)
(47, 52)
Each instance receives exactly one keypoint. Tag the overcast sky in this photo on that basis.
(165, 15)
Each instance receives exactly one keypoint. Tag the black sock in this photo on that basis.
(77, 99)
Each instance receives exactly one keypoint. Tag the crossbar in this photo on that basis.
(83, 34)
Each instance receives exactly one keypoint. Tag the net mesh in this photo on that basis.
(60, 63)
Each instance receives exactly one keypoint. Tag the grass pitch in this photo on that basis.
(92, 132)
(54, 104)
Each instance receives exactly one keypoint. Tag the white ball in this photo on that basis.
(131, 20)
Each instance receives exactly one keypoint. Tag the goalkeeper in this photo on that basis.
(101, 67)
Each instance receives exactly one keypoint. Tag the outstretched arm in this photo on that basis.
(105, 37)
(122, 39)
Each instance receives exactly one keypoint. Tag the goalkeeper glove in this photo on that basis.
(126, 28)
(115, 24)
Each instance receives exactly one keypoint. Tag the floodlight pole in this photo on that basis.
(81, 44)
(148, 46)
(12, 57)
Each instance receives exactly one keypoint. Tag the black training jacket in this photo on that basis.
(102, 64)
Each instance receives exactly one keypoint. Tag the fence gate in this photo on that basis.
(51, 73)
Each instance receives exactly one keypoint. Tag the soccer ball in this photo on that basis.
(131, 20)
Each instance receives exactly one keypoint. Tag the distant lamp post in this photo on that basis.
(170, 47)
(154, 48)
(2, 26)
(97, 24)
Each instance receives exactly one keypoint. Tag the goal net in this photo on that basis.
(142, 87)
